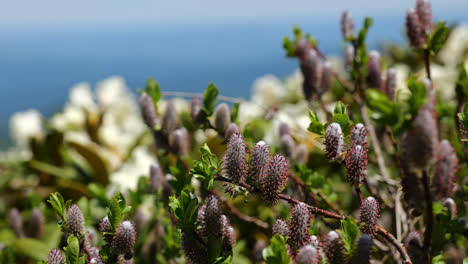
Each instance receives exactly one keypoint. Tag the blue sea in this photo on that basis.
(39, 64)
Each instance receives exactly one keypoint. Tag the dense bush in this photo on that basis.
(353, 162)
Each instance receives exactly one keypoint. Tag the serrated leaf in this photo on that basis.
(276, 252)
(185, 210)
(153, 90)
(209, 98)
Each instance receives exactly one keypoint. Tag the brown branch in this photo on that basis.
(245, 218)
(299, 182)
(249, 188)
(429, 218)
(329, 203)
(359, 194)
(399, 246)
(427, 62)
(313, 209)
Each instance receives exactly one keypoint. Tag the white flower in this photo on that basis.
(72, 118)
(268, 91)
(111, 90)
(248, 111)
(25, 125)
(81, 96)
(444, 79)
(457, 44)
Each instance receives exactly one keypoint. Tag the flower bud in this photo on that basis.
(314, 241)
(302, 49)
(356, 164)
(196, 110)
(260, 157)
(210, 219)
(231, 130)
(141, 217)
(444, 180)
(363, 250)
(301, 154)
(229, 237)
(284, 129)
(55, 257)
(148, 111)
(452, 207)
(16, 222)
(412, 188)
(414, 246)
(347, 25)
(334, 142)
(299, 226)
(170, 118)
(222, 116)
(370, 216)
(414, 29)
(104, 227)
(36, 225)
(75, 221)
(94, 257)
(287, 145)
(274, 176)
(125, 236)
(420, 142)
(359, 135)
(316, 69)
(257, 251)
(334, 248)
(390, 83)
(423, 9)
(374, 70)
(308, 255)
(327, 78)
(180, 142)
(156, 177)
(194, 250)
(235, 160)
(281, 227)
(349, 57)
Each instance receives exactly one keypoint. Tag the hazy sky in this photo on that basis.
(103, 12)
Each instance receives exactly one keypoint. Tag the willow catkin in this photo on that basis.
(210, 219)
(299, 226)
(260, 158)
(169, 123)
(374, 70)
(235, 160)
(423, 9)
(124, 238)
(194, 250)
(55, 257)
(414, 246)
(36, 224)
(231, 130)
(363, 250)
(414, 29)
(369, 215)
(281, 227)
(334, 142)
(75, 221)
(273, 179)
(390, 83)
(222, 116)
(347, 25)
(308, 254)
(444, 179)
(356, 164)
(334, 248)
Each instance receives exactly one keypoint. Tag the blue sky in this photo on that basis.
(126, 12)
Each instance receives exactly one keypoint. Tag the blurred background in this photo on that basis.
(46, 47)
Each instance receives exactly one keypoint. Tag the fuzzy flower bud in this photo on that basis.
(423, 9)
(287, 145)
(210, 219)
(356, 164)
(450, 204)
(156, 177)
(420, 143)
(349, 57)
(444, 180)
(299, 226)
(104, 227)
(125, 236)
(281, 227)
(16, 222)
(359, 135)
(370, 216)
(274, 176)
(222, 116)
(314, 241)
(374, 70)
(363, 250)
(347, 25)
(260, 157)
(412, 187)
(195, 110)
(148, 111)
(414, 246)
(36, 225)
(327, 78)
(414, 29)
(303, 47)
(334, 248)
(334, 141)
(55, 257)
(75, 221)
(170, 118)
(308, 255)
(235, 160)
(231, 130)
(284, 129)
(229, 237)
(390, 83)
(194, 250)
(301, 154)
(316, 69)
(180, 142)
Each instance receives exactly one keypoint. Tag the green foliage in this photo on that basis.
(341, 117)
(7, 255)
(290, 46)
(383, 110)
(315, 125)
(418, 95)
(235, 112)
(181, 179)
(57, 202)
(349, 233)
(209, 99)
(185, 209)
(276, 252)
(153, 89)
(206, 168)
(72, 251)
(438, 37)
(116, 210)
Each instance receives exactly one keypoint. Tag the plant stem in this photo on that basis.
(399, 246)
(427, 62)
(313, 209)
(429, 217)
(359, 194)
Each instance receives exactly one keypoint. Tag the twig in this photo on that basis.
(248, 219)
(427, 63)
(299, 182)
(249, 188)
(329, 203)
(390, 238)
(429, 217)
(313, 209)
(359, 194)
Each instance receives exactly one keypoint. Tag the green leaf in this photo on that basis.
(32, 248)
(343, 120)
(349, 233)
(276, 252)
(209, 98)
(153, 89)
(114, 213)
(206, 168)
(383, 110)
(438, 37)
(418, 95)
(182, 179)
(96, 161)
(289, 47)
(72, 250)
(363, 32)
(340, 108)
(315, 125)
(185, 209)
(56, 200)
(7, 255)
(235, 112)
